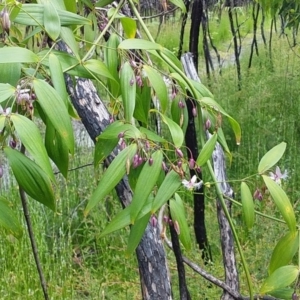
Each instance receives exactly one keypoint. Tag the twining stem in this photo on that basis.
(96, 43)
(202, 141)
(32, 238)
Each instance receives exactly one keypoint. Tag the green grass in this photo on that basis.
(80, 265)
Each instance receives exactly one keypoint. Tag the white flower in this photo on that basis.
(5, 111)
(192, 184)
(277, 176)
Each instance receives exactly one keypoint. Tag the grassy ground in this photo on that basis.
(79, 265)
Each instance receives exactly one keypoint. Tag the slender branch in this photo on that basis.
(32, 238)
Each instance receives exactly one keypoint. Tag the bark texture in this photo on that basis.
(155, 281)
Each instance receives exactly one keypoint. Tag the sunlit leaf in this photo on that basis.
(284, 251)
(284, 293)
(139, 44)
(51, 20)
(55, 109)
(248, 205)
(31, 177)
(17, 55)
(129, 26)
(271, 157)
(98, 67)
(159, 86)
(6, 91)
(136, 233)
(150, 135)
(168, 187)
(280, 278)
(8, 219)
(111, 177)
(178, 215)
(113, 130)
(30, 136)
(282, 202)
(207, 150)
(145, 183)
(68, 37)
(128, 90)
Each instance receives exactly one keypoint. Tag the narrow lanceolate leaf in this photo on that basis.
(207, 150)
(166, 190)
(158, 86)
(282, 202)
(111, 177)
(99, 68)
(57, 77)
(31, 177)
(117, 127)
(8, 219)
(136, 233)
(55, 109)
(30, 136)
(68, 37)
(10, 73)
(152, 136)
(180, 4)
(103, 148)
(271, 157)
(121, 220)
(280, 278)
(51, 20)
(178, 215)
(284, 251)
(139, 44)
(17, 55)
(57, 149)
(6, 91)
(128, 90)
(248, 205)
(129, 26)
(145, 183)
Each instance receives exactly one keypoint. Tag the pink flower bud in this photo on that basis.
(191, 163)
(166, 219)
(164, 167)
(207, 124)
(139, 81)
(140, 160)
(131, 82)
(153, 221)
(258, 195)
(5, 20)
(194, 112)
(181, 104)
(135, 162)
(123, 144)
(121, 135)
(150, 161)
(179, 153)
(13, 144)
(179, 164)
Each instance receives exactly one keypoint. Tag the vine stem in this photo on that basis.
(32, 238)
(202, 141)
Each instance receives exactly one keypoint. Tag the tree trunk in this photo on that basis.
(155, 281)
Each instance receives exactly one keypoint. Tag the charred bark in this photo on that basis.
(155, 281)
(192, 144)
(254, 39)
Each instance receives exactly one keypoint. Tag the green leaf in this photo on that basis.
(280, 278)
(168, 187)
(172, 57)
(31, 177)
(121, 220)
(17, 55)
(114, 129)
(103, 148)
(284, 293)
(271, 158)
(282, 202)
(68, 37)
(284, 251)
(128, 90)
(178, 215)
(145, 183)
(139, 44)
(158, 86)
(103, 3)
(99, 68)
(6, 91)
(30, 136)
(57, 77)
(136, 233)
(207, 150)
(33, 14)
(204, 92)
(150, 135)
(8, 219)
(111, 177)
(55, 109)
(51, 20)
(180, 4)
(248, 205)
(129, 26)
(10, 73)
(57, 149)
